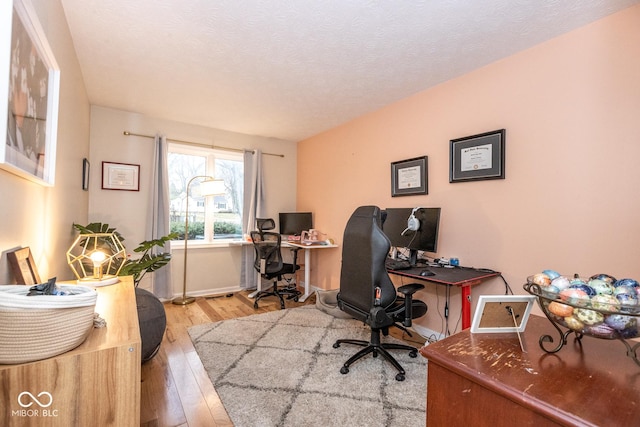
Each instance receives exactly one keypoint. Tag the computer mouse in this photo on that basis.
(427, 273)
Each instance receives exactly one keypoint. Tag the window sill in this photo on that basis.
(179, 244)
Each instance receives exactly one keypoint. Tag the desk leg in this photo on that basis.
(307, 274)
(466, 307)
(258, 286)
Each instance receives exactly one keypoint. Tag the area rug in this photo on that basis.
(280, 369)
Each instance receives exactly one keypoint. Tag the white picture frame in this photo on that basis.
(492, 313)
(29, 121)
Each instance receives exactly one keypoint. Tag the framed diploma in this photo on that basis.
(409, 177)
(120, 176)
(477, 157)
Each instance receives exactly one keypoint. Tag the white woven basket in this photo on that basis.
(38, 327)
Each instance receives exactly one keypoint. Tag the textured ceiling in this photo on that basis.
(291, 69)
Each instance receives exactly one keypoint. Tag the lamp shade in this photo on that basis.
(96, 258)
(212, 187)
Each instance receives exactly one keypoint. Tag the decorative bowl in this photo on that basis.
(601, 307)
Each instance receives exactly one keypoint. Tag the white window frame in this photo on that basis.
(211, 155)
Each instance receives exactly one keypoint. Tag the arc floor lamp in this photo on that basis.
(208, 187)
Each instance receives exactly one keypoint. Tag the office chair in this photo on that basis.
(367, 293)
(269, 264)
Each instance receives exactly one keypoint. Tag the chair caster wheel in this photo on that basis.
(255, 304)
(400, 377)
(296, 299)
(345, 370)
(336, 345)
(413, 354)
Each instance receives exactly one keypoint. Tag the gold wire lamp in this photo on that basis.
(96, 258)
(208, 187)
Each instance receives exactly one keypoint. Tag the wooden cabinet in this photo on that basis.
(486, 380)
(95, 384)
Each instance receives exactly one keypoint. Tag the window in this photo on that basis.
(211, 218)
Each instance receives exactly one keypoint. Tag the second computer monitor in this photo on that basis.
(294, 223)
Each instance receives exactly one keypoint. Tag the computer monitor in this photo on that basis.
(396, 228)
(294, 223)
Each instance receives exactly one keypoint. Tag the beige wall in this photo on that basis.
(571, 110)
(211, 269)
(42, 217)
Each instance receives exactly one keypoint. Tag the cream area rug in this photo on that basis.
(280, 369)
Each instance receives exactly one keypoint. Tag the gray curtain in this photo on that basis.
(158, 221)
(253, 208)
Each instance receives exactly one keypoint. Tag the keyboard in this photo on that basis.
(397, 264)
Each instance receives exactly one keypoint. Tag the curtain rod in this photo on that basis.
(216, 147)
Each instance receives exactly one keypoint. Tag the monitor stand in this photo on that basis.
(413, 257)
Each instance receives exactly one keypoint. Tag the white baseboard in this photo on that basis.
(210, 292)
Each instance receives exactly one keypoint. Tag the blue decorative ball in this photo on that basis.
(584, 287)
(551, 273)
(627, 282)
(606, 277)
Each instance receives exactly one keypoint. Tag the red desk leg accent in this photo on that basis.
(466, 307)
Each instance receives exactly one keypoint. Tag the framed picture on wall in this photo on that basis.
(120, 176)
(409, 177)
(86, 169)
(477, 157)
(30, 82)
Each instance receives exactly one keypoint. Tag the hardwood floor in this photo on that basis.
(175, 388)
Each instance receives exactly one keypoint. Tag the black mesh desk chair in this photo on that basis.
(269, 263)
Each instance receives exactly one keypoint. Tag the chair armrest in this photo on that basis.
(410, 289)
(294, 252)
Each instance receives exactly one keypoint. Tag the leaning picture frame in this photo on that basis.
(410, 177)
(477, 157)
(120, 176)
(30, 117)
(502, 313)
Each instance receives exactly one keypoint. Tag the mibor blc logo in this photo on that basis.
(35, 405)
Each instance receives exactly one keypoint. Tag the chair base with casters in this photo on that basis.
(376, 347)
(288, 292)
(380, 321)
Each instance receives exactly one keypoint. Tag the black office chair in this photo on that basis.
(269, 263)
(367, 293)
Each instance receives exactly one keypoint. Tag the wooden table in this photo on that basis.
(95, 384)
(486, 380)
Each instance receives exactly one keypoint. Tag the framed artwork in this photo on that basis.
(477, 157)
(409, 177)
(502, 313)
(30, 118)
(120, 176)
(86, 169)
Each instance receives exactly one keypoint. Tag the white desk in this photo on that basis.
(307, 263)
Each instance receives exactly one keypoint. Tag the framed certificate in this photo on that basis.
(120, 176)
(409, 177)
(477, 157)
